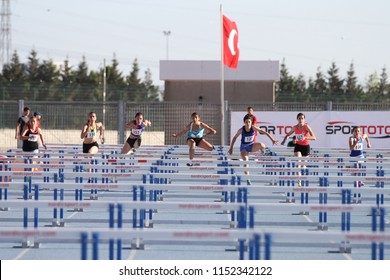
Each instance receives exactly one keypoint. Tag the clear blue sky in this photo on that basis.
(307, 34)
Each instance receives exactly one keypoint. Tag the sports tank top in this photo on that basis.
(31, 143)
(196, 134)
(358, 150)
(247, 137)
(137, 131)
(300, 134)
(91, 133)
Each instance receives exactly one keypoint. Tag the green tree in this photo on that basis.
(300, 87)
(318, 87)
(66, 75)
(372, 87)
(153, 92)
(32, 69)
(49, 77)
(310, 89)
(134, 83)
(81, 74)
(86, 83)
(286, 82)
(353, 91)
(285, 85)
(67, 85)
(335, 84)
(45, 81)
(14, 71)
(33, 77)
(383, 87)
(115, 81)
(14, 82)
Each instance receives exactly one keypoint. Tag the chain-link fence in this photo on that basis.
(62, 121)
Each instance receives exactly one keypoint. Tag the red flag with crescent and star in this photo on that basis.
(231, 49)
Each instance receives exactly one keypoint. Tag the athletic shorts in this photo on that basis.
(131, 142)
(197, 140)
(357, 159)
(246, 147)
(304, 149)
(36, 151)
(356, 154)
(86, 147)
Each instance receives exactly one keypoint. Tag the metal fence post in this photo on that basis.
(121, 122)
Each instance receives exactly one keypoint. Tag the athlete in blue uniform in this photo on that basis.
(248, 144)
(356, 145)
(356, 142)
(136, 126)
(195, 133)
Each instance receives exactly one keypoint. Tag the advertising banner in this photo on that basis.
(332, 128)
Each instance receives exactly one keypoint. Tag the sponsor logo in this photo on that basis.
(206, 176)
(194, 234)
(208, 188)
(274, 129)
(344, 127)
(199, 206)
(69, 204)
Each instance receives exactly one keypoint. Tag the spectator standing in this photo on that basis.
(20, 125)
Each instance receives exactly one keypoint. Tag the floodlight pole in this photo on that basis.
(167, 34)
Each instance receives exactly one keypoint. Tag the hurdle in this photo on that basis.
(108, 186)
(98, 236)
(135, 207)
(215, 175)
(256, 239)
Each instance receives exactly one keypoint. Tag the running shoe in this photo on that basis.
(268, 152)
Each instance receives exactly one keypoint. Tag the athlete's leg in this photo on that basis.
(299, 154)
(191, 148)
(205, 145)
(126, 148)
(93, 150)
(245, 157)
(258, 146)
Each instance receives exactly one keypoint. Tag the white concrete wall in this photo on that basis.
(189, 70)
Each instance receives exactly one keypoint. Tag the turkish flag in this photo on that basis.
(231, 49)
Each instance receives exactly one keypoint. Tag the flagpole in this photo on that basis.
(222, 84)
(104, 98)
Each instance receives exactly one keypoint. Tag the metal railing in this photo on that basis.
(62, 121)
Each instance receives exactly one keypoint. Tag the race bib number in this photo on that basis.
(299, 136)
(136, 132)
(359, 146)
(33, 138)
(91, 134)
(249, 139)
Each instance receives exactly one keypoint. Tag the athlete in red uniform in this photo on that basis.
(303, 133)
